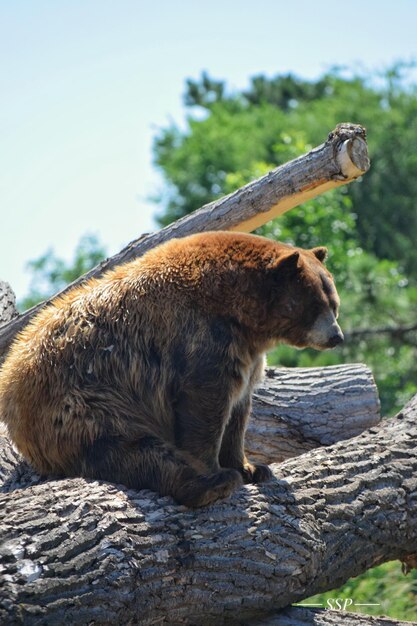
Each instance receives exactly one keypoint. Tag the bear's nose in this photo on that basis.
(336, 339)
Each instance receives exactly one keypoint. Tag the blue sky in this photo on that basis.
(85, 84)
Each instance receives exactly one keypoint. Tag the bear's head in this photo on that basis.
(308, 301)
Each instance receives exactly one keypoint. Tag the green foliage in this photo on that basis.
(393, 593)
(50, 273)
(285, 92)
(204, 92)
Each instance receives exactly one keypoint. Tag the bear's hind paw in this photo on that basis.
(256, 473)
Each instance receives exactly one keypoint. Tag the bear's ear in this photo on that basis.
(320, 253)
(289, 263)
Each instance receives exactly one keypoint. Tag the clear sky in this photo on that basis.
(85, 84)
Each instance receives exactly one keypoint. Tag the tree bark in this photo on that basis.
(77, 551)
(341, 159)
(298, 409)
(294, 616)
(7, 303)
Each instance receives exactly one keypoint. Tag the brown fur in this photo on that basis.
(145, 376)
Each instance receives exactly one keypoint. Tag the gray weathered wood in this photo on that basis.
(8, 309)
(298, 409)
(294, 616)
(341, 159)
(76, 551)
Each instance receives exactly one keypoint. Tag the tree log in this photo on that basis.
(341, 159)
(77, 551)
(298, 409)
(294, 616)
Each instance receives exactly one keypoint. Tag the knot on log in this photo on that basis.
(346, 130)
(350, 150)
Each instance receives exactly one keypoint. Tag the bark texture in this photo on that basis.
(341, 159)
(298, 409)
(76, 551)
(306, 617)
(8, 309)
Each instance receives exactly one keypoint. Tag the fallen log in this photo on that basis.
(77, 551)
(340, 160)
(298, 409)
(8, 309)
(318, 617)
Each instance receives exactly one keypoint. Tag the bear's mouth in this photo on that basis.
(330, 345)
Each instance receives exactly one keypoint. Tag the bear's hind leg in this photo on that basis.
(150, 463)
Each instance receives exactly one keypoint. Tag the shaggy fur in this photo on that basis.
(145, 376)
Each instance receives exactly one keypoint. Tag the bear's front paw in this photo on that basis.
(256, 473)
(205, 490)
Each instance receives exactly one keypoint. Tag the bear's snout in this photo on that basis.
(336, 339)
(325, 332)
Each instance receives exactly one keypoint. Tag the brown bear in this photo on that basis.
(145, 375)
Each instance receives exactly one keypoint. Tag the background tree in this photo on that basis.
(49, 273)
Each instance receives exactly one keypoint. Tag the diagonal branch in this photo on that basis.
(341, 159)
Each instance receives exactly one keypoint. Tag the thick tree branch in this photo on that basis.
(294, 616)
(341, 159)
(76, 550)
(298, 409)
